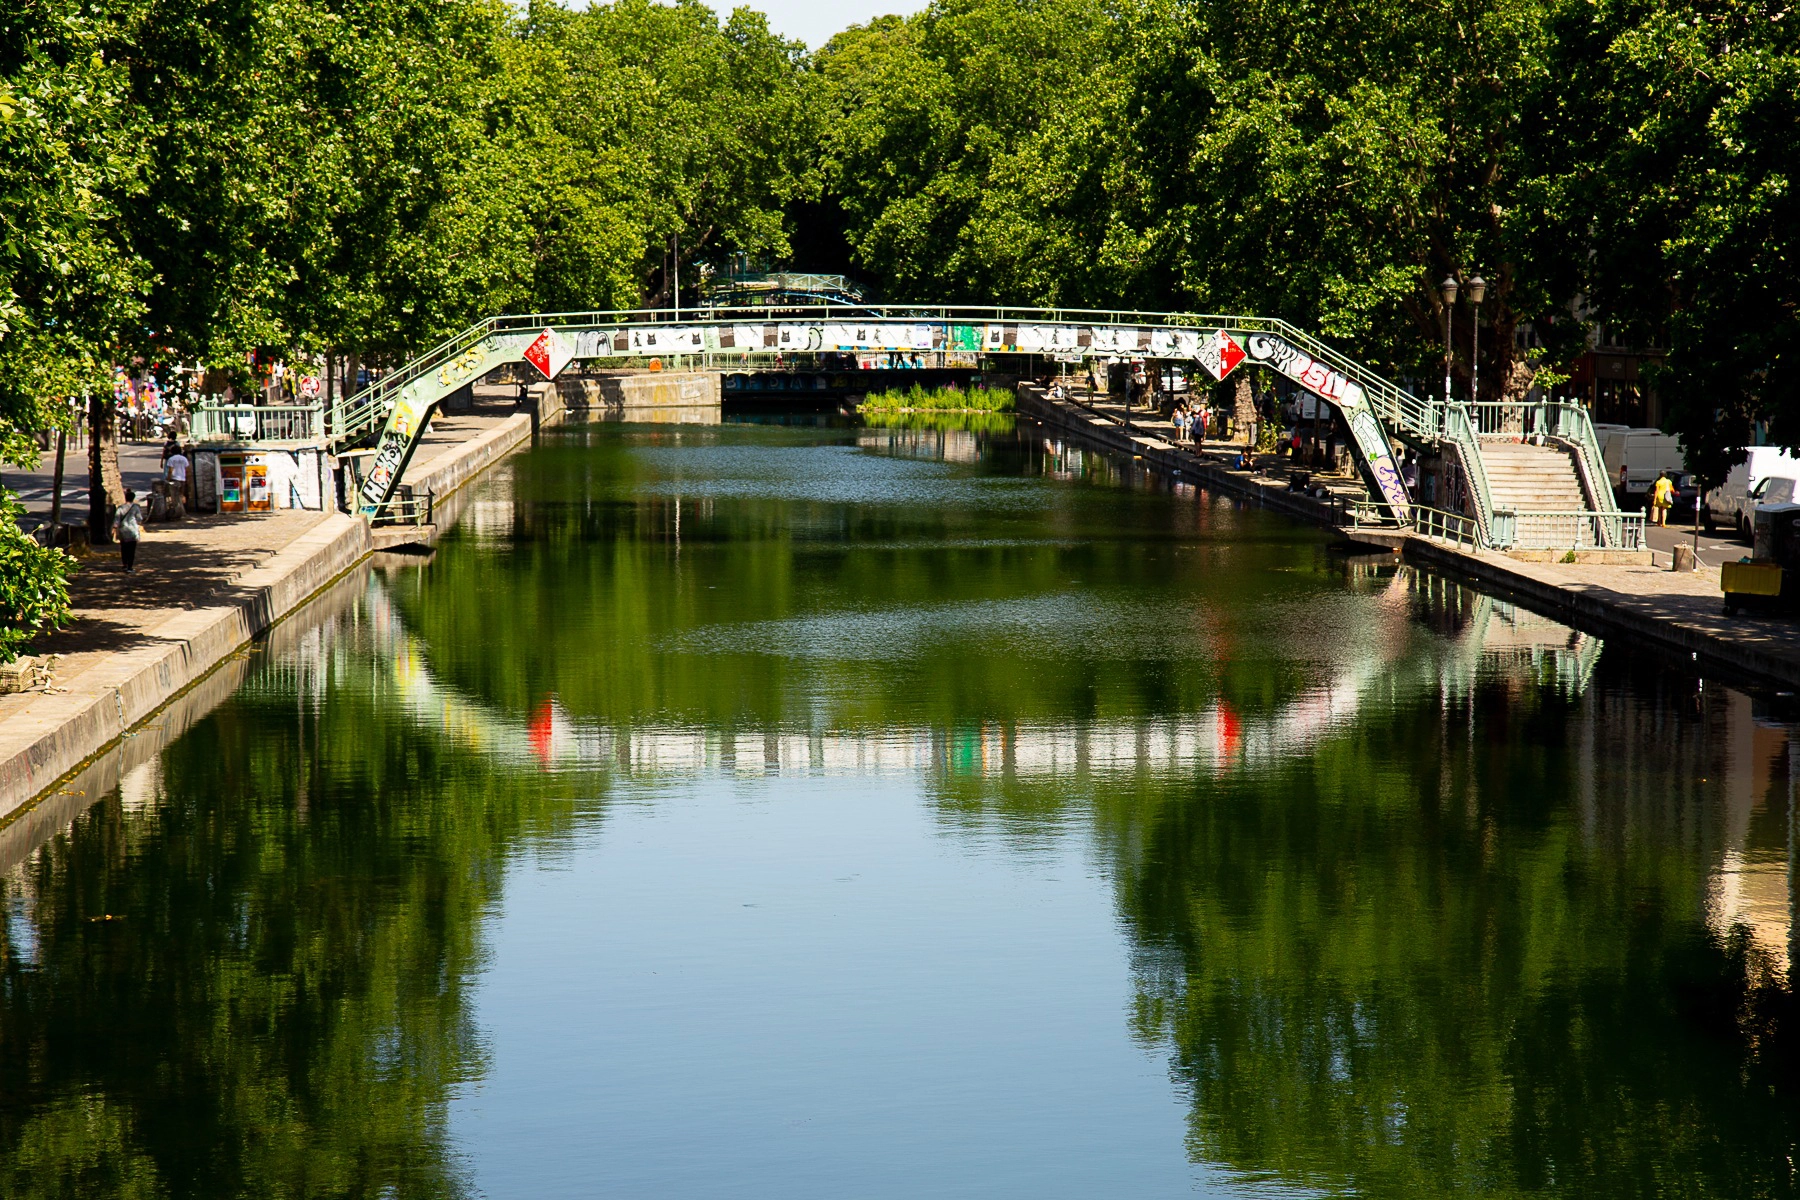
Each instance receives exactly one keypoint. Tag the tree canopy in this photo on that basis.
(197, 181)
(1623, 165)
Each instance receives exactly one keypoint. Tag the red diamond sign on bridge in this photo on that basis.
(1220, 353)
(550, 353)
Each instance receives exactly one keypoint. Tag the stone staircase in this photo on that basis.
(1523, 479)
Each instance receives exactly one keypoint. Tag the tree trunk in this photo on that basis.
(106, 488)
(1518, 383)
(56, 485)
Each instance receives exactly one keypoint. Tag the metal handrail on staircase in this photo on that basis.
(364, 412)
(1569, 425)
(1398, 408)
(1460, 432)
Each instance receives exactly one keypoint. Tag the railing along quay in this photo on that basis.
(405, 507)
(1575, 529)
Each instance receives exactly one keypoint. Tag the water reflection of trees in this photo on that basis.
(1425, 895)
(1474, 942)
(247, 972)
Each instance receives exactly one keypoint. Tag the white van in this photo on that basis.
(1767, 475)
(1639, 456)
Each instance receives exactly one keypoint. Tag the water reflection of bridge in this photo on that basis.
(1495, 638)
(356, 631)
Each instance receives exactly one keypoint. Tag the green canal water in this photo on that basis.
(782, 810)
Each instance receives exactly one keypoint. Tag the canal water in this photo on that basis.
(795, 810)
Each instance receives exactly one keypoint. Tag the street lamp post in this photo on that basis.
(1447, 290)
(1477, 290)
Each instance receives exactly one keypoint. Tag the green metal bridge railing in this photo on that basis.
(399, 402)
(392, 410)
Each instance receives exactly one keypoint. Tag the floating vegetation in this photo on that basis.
(944, 399)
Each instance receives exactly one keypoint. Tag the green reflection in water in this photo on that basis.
(249, 975)
(1424, 896)
(940, 422)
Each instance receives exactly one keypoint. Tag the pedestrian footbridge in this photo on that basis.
(1519, 475)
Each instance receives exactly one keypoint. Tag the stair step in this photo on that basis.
(1523, 478)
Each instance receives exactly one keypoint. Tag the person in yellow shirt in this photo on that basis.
(1662, 499)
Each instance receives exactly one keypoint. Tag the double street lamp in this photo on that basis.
(1477, 293)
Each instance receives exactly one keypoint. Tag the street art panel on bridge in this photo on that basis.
(1220, 354)
(1218, 349)
(1376, 455)
(549, 353)
(411, 409)
(1307, 371)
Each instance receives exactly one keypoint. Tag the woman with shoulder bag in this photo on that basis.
(128, 527)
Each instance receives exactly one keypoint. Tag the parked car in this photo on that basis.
(1733, 503)
(1641, 455)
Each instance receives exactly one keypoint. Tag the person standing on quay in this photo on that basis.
(177, 469)
(128, 526)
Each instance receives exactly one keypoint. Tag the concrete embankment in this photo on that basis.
(1676, 612)
(641, 395)
(99, 696)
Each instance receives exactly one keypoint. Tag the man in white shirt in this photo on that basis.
(176, 470)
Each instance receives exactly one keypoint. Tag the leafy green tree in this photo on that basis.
(920, 118)
(1666, 138)
(651, 122)
(34, 590)
(68, 285)
(307, 176)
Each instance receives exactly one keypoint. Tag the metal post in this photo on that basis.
(678, 277)
(1447, 290)
(56, 488)
(1477, 292)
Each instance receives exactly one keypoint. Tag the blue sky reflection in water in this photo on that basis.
(761, 810)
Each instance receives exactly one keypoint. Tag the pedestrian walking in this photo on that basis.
(1662, 499)
(128, 527)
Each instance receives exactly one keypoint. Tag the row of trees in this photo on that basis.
(1620, 161)
(361, 177)
(192, 182)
